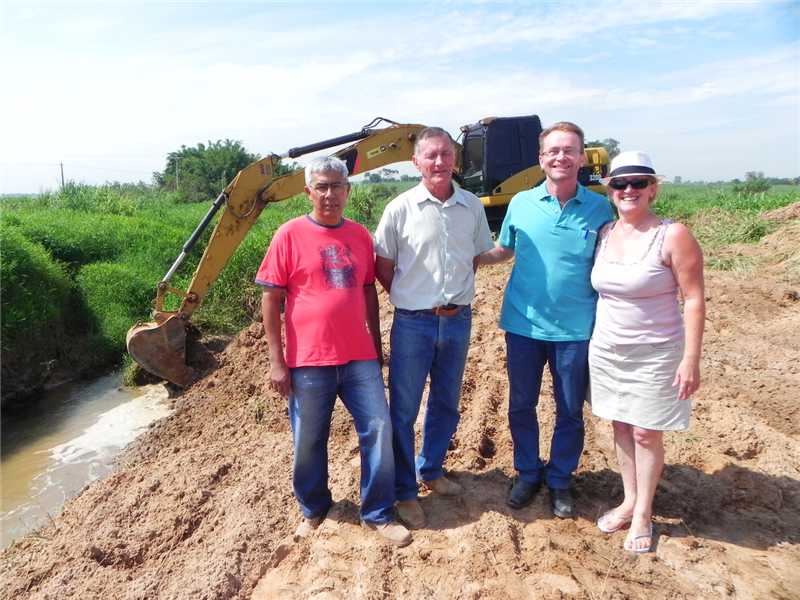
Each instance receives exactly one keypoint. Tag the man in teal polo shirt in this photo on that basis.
(548, 312)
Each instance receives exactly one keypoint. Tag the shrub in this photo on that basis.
(755, 183)
(366, 203)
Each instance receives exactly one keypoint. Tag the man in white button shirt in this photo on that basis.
(426, 242)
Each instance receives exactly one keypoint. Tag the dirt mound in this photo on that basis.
(786, 213)
(201, 507)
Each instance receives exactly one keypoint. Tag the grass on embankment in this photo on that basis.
(718, 217)
(79, 266)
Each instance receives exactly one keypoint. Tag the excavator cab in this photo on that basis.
(493, 151)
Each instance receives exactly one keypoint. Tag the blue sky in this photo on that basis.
(708, 89)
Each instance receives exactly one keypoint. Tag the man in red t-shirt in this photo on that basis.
(325, 266)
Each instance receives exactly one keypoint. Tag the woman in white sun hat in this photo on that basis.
(644, 356)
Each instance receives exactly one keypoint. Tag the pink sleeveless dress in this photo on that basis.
(638, 341)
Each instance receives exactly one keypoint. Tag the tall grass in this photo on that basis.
(718, 215)
(79, 267)
(34, 296)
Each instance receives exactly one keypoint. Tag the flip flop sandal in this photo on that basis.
(649, 534)
(611, 516)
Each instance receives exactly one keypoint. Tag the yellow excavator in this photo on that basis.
(498, 158)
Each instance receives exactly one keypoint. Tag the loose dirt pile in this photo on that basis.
(201, 507)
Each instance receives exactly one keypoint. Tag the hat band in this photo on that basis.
(634, 170)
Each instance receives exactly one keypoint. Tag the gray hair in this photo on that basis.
(323, 164)
(432, 132)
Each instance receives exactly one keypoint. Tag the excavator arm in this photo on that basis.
(159, 346)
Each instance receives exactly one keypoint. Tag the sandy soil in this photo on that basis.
(201, 507)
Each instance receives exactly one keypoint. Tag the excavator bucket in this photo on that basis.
(161, 349)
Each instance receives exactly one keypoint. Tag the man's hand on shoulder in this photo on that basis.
(496, 255)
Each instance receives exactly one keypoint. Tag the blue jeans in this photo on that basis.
(569, 367)
(423, 343)
(360, 386)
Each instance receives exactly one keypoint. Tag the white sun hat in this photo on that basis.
(630, 164)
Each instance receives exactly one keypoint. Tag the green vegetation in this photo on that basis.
(610, 144)
(198, 174)
(755, 183)
(719, 215)
(35, 291)
(79, 266)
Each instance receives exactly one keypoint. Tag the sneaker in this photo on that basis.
(410, 512)
(523, 494)
(561, 503)
(392, 531)
(307, 527)
(444, 487)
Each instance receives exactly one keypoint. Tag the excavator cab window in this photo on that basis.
(497, 149)
(472, 163)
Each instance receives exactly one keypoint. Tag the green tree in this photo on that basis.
(201, 173)
(610, 144)
(284, 169)
(388, 174)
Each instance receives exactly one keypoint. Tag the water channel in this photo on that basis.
(70, 441)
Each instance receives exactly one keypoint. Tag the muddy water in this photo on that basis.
(72, 440)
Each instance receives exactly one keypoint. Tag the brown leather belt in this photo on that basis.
(445, 311)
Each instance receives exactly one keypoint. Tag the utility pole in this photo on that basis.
(177, 181)
(62, 175)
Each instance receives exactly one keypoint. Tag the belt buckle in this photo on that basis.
(440, 310)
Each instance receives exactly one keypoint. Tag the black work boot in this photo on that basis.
(523, 493)
(561, 503)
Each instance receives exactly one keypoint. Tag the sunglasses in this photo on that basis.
(637, 184)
